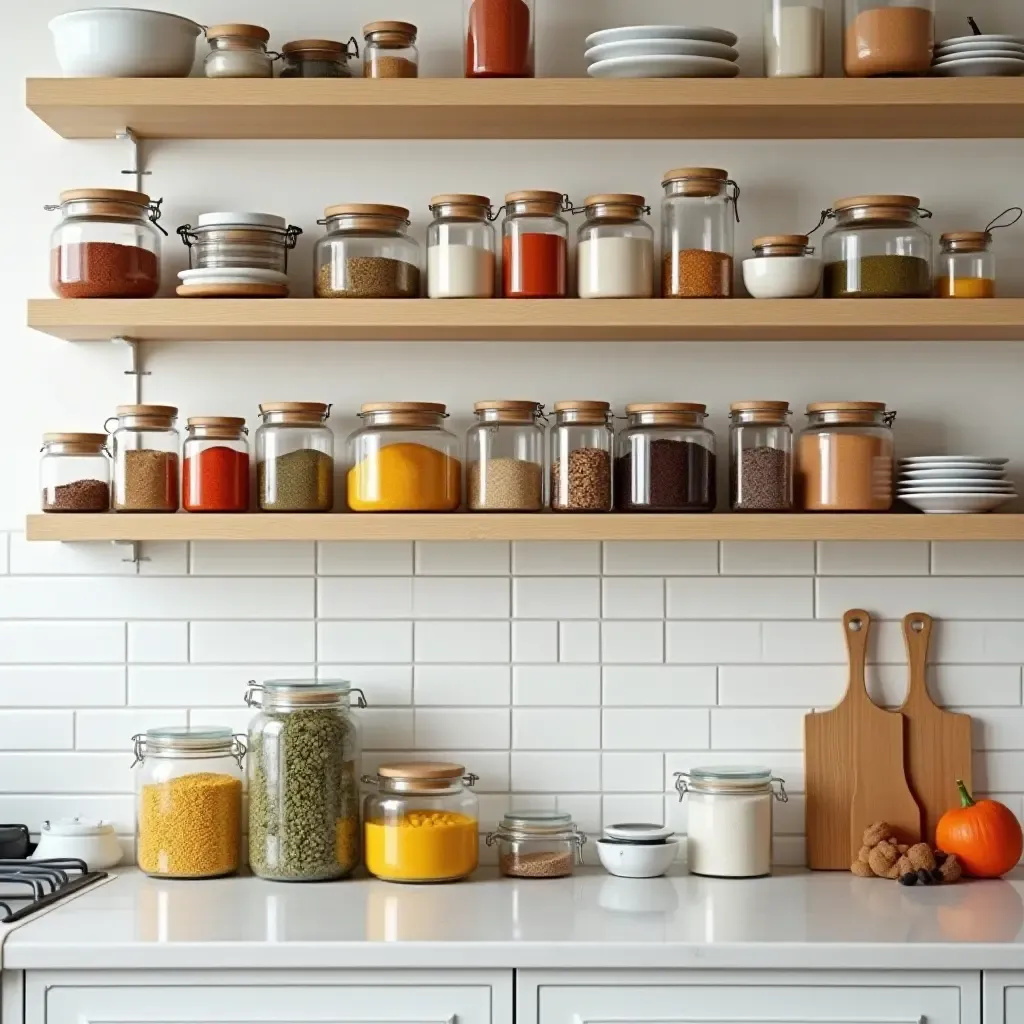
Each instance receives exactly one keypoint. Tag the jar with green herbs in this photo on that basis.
(303, 766)
(295, 457)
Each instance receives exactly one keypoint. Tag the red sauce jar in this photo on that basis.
(215, 477)
(535, 246)
(499, 38)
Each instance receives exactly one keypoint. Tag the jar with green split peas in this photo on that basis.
(295, 458)
(144, 449)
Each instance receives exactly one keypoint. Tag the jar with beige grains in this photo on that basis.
(390, 50)
(505, 457)
(144, 447)
(582, 442)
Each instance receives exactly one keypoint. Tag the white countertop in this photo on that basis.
(793, 920)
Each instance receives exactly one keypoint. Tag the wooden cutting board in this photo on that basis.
(937, 743)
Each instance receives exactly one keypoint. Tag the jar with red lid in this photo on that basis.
(535, 245)
(499, 38)
(215, 477)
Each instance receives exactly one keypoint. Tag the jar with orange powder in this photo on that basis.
(499, 38)
(215, 475)
(535, 245)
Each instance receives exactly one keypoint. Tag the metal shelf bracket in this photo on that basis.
(135, 156)
(136, 372)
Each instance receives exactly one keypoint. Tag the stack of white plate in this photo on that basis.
(233, 282)
(954, 483)
(662, 51)
(976, 56)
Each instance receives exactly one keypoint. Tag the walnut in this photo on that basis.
(865, 853)
(951, 870)
(902, 847)
(902, 867)
(921, 856)
(879, 832)
(858, 867)
(882, 858)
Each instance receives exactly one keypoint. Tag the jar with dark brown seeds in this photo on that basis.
(582, 441)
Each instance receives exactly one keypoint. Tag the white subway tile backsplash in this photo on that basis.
(5, 545)
(220, 643)
(768, 558)
(556, 728)
(386, 597)
(863, 558)
(253, 558)
(767, 686)
(383, 685)
(535, 642)
(998, 770)
(35, 808)
(654, 729)
(56, 558)
(633, 598)
(996, 728)
(37, 730)
(660, 558)
(353, 558)
(183, 686)
(387, 729)
(962, 597)
(554, 558)
(462, 558)
(476, 685)
(549, 772)
(736, 597)
(579, 642)
(659, 686)
(624, 643)
(467, 729)
(556, 685)
(61, 643)
(823, 643)
(757, 728)
(462, 642)
(440, 597)
(113, 729)
(712, 643)
(62, 686)
(633, 807)
(585, 810)
(548, 597)
(158, 643)
(161, 559)
(632, 773)
(64, 773)
(365, 642)
(995, 558)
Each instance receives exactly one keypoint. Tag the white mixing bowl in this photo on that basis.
(782, 277)
(629, 860)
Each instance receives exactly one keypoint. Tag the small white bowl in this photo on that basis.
(782, 277)
(644, 861)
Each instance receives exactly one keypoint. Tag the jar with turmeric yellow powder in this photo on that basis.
(403, 460)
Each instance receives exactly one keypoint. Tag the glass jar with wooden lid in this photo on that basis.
(535, 245)
(240, 241)
(295, 457)
(505, 457)
(537, 844)
(966, 266)
(389, 50)
(499, 38)
(74, 473)
(615, 250)
(845, 458)
(144, 448)
(582, 446)
(888, 37)
(461, 261)
(238, 51)
(760, 457)
(318, 58)
(782, 267)
(215, 465)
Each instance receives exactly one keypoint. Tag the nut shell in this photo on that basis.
(902, 867)
(865, 853)
(951, 870)
(882, 859)
(858, 867)
(921, 856)
(877, 833)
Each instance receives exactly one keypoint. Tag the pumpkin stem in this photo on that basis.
(966, 800)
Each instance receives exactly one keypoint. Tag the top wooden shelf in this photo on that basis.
(546, 108)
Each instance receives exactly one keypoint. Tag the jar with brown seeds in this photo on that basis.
(760, 457)
(537, 844)
(144, 448)
(582, 442)
(74, 473)
(505, 457)
(389, 50)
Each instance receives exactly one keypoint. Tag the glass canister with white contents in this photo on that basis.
(461, 261)
(729, 820)
(615, 254)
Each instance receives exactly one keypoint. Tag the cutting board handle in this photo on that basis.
(856, 626)
(917, 632)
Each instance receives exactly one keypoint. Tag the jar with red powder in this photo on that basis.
(535, 245)
(499, 38)
(215, 477)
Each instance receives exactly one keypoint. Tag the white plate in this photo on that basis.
(949, 503)
(981, 461)
(638, 832)
(976, 46)
(978, 55)
(980, 67)
(978, 42)
(956, 483)
(944, 472)
(250, 275)
(664, 67)
(618, 35)
(661, 47)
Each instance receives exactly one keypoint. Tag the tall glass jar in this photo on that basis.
(304, 764)
(499, 38)
(966, 266)
(295, 457)
(188, 795)
(215, 470)
(877, 249)
(422, 824)
(537, 844)
(238, 51)
(794, 39)
(582, 443)
(318, 58)
(74, 473)
(615, 252)
(698, 218)
(505, 457)
(461, 263)
(367, 254)
(403, 460)
(535, 245)
(760, 457)
(666, 460)
(845, 458)
(144, 448)
(389, 50)
(106, 246)
(888, 37)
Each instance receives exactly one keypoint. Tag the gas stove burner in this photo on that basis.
(30, 885)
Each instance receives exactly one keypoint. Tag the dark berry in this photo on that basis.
(940, 857)
(937, 876)
(925, 876)
(910, 878)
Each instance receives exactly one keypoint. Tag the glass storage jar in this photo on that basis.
(367, 254)
(295, 457)
(535, 245)
(782, 267)
(144, 449)
(403, 460)
(188, 795)
(304, 765)
(582, 443)
(318, 58)
(967, 266)
(537, 844)
(615, 251)
(248, 241)
(107, 245)
(215, 465)
(877, 249)
(888, 37)
(698, 218)
(422, 824)
(389, 50)
(760, 457)
(845, 458)
(74, 473)
(505, 457)
(499, 38)
(794, 39)
(238, 51)
(461, 262)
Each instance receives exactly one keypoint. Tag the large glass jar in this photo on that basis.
(966, 266)
(188, 794)
(499, 38)
(845, 458)
(367, 254)
(666, 460)
(295, 457)
(877, 249)
(248, 241)
(144, 448)
(537, 844)
(794, 39)
(582, 443)
(403, 460)
(74, 473)
(698, 218)
(318, 58)
(460, 248)
(422, 824)
(888, 37)
(238, 51)
(304, 764)
(615, 252)
(505, 457)
(760, 457)
(215, 470)
(535, 245)
(106, 246)
(389, 50)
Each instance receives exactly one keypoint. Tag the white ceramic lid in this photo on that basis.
(637, 832)
(255, 220)
(77, 827)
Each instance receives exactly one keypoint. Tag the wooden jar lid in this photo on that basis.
(75, 438)
(367, 210)
(421, 770)
(238, 29)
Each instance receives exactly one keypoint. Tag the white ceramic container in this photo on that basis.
(782, 277)
(86, 839)
(628, 860)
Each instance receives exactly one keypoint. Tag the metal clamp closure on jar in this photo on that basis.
(866, 413)
(390, 35)
(143, 417)
(535, 203)
(295, 413)
(671, 414)
(365, 217)
(499, 411)
(613, 206)
(109, 204)
(290, 695)
(217, 428)
(881, 209)
(188, 741)
(702, 183)
(752, 781)
(523, 829)
(320, 49)
(978, 241)
(75, 444)
(759, 412)
(425, 777)
(583, 411)
(782, 245)
(462, 204)
(224, 239)
(403, 414)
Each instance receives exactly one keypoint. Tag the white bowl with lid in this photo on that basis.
(87, 839)
(637, 860)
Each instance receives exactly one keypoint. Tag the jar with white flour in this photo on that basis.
(460, 248)
(729, 820)
(615, 255)
(794, 39)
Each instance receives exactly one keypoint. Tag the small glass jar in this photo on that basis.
(537, 844)
(794, 39)
(238, 51)
(461, 262)
(760, 457)
(74, 473)
(295, 457)
(888, 37)
(318, 58)
(698, 218)
(582, 443)
(367, 254)
(389, 50)
(107, 245)
(144, 448)
(877, 249)
(247, 241)
(845, 458)
(615, 251)
(666, 460)
(422, 824)
(403, 460)
(188, 794)
(967, 266)
(304, 766)
(215, 469)
(505, 457)
(782, 267)
(535, 245)
(499, 38)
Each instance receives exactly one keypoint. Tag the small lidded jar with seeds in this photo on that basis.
(505, 457)
(582, 441)
(538, 844)
(144, 448)
(390, 50)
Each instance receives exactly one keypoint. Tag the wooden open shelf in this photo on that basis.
(552, 108)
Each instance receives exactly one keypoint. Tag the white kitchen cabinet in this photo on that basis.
(1004, 997)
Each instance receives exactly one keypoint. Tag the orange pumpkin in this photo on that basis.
(984, 834)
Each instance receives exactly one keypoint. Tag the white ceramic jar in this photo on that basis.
(782, 267)
(86, 839)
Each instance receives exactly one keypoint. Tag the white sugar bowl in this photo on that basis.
(86, 839)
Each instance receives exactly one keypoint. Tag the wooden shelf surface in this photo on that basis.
(552, 108)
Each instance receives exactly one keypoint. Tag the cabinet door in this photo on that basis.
(1004, 997)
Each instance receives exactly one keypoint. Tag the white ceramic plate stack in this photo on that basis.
(662, 51)
(979, 56)
(954, 483)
